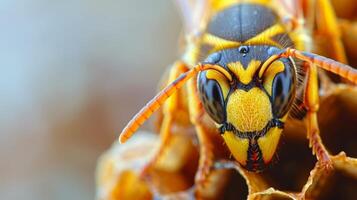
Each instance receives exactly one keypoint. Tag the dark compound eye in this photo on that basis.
(243, 49)
(212, 97)
(283, 89)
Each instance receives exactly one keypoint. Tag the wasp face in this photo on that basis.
(249, 111)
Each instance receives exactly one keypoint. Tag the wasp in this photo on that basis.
(249, 66)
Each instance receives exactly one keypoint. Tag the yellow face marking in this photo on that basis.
(219, 43)
(244, 75)
(237, 146)
(221, 79)
(266, 36)
(249, 111)
(268, 143)
(263, 38)
(269, 75)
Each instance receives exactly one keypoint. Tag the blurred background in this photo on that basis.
(72, 74)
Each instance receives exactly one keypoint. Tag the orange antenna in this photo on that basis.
(330, 65)
(162, 96)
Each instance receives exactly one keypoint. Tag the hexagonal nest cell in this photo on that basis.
(295, 173)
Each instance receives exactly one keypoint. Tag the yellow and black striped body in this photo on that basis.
(249, 110)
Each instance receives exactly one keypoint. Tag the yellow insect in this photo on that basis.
(248, 66)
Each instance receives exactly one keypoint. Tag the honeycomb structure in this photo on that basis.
(295, 174)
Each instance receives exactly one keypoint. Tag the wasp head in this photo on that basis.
(249, 109)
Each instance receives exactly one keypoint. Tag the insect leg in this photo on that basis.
(349, 35)
(327, 27)
(206, 146)
(169, 109)
(311, 101)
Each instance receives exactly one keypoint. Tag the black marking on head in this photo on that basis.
(246, 87)
(241, 22)
(251, 134)
(255, 162)
(255, 52)
(254, 83)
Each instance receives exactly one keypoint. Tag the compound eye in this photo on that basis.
(213, 89)
(283, 87)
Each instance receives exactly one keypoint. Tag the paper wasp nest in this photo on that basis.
(294, 174)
